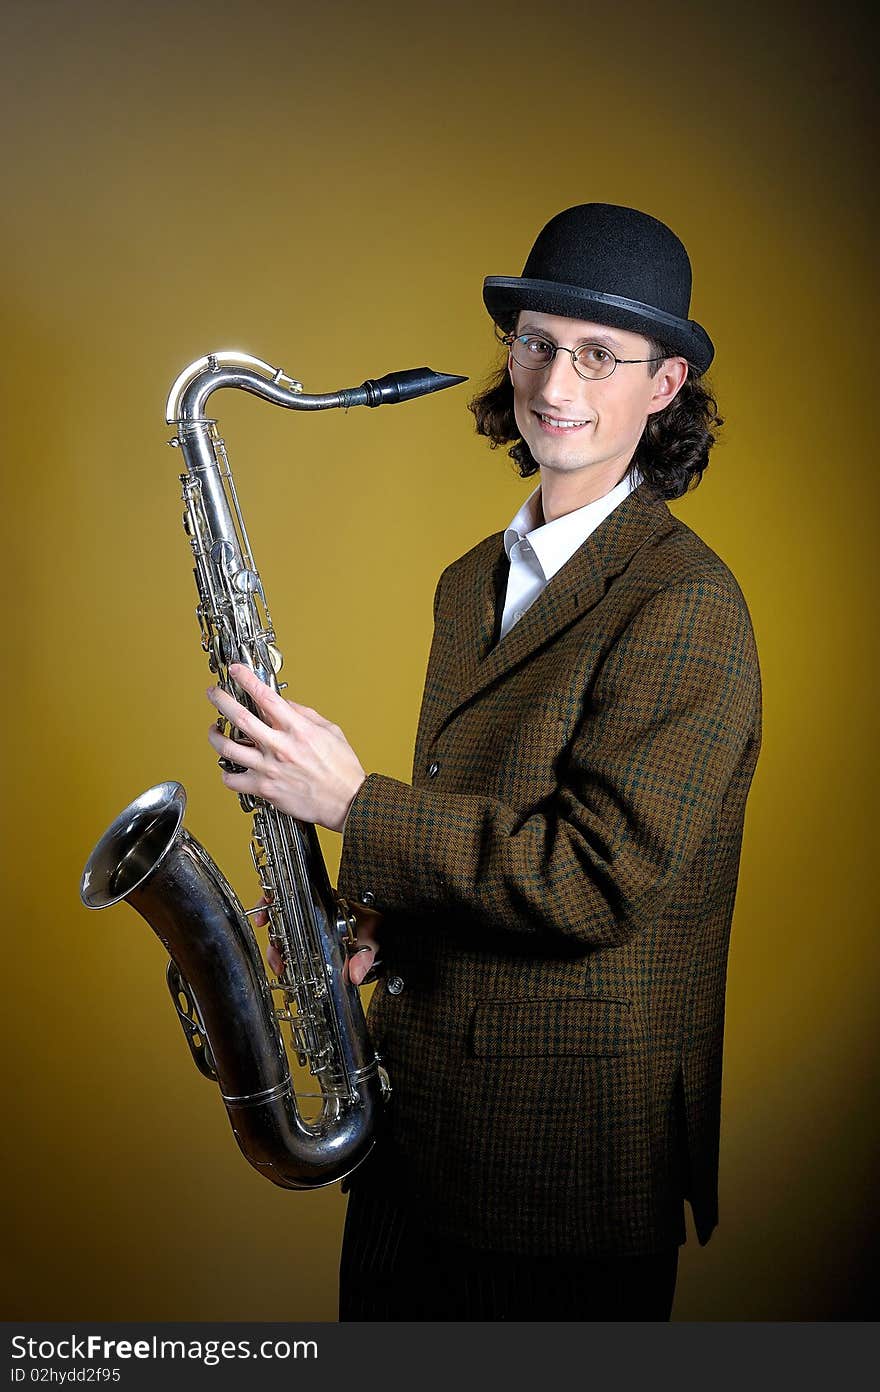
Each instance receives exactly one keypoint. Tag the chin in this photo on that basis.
(562, 463)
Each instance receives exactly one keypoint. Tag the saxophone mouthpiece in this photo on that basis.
(402, 386)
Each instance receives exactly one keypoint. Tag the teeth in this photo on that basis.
(563, 424)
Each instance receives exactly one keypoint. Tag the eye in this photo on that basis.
(592, 353)
(537, 347)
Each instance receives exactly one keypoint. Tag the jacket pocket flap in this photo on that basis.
(587, 1026)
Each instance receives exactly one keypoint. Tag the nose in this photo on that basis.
(561, 382)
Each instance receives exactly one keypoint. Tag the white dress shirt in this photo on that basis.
(536, 550)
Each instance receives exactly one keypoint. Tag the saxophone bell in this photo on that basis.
(148, 859)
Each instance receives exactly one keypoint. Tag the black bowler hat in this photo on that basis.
(610, 265)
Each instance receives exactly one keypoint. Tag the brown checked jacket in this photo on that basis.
(558, 885)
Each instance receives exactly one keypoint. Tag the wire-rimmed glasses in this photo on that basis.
(592, 361)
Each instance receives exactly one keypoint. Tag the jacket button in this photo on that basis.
(433, 770)
(368, 898)
(395, 985)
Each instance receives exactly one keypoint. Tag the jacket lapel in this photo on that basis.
(476, 602)
(572, 592)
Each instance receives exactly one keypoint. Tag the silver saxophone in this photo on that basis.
(223, 996)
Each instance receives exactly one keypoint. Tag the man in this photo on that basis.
(556, 887)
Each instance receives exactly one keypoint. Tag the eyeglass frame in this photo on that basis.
(509, 339)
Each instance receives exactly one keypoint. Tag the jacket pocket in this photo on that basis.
(581, 1026)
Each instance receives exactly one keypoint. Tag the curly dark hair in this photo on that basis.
(672, 453)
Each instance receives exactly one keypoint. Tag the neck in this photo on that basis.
(562, 493)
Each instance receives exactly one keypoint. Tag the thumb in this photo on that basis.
(360, 962)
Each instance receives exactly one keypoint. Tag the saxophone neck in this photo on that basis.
(189, 394)
(196, 383)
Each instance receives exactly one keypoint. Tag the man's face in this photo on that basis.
(609, 415)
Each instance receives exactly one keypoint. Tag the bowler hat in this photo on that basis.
(610, 265)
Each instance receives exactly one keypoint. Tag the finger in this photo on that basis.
(269, 702)
(277, 708)
(272, 706)
(360, 962)
(241, 782)
(309, 713)
(245, 754)
(274, 958)
(238, 715)
(348, 965)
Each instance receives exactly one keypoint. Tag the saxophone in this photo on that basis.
(224, 1000)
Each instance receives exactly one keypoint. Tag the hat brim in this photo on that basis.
(504, 296)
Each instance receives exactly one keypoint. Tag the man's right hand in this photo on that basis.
(361, 959)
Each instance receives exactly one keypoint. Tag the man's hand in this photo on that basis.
(361, 959)
(365, 954)
(296, 760)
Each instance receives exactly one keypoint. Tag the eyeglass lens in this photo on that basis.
(590, 359)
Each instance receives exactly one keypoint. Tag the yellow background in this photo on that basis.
(326, 187)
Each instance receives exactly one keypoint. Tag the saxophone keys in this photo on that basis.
(228, 765)
(346, 924)
(247, 582)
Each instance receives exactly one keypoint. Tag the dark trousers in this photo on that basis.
(392, 1270)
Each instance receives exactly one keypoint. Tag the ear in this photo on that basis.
(668, 383)
(513, 328)
(510, 362)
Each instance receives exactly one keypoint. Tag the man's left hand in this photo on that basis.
(296, 760)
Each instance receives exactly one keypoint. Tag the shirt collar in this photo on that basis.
(554, 543)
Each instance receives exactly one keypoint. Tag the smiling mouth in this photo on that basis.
(559, 422)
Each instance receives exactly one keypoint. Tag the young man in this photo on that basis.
(554, 892)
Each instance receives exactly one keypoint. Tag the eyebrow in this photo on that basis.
(607, 340)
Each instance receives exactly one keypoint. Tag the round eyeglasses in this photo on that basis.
(591, 360)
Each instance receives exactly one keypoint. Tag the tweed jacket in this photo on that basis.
(558, 884)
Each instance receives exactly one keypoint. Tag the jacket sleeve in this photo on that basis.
(665, 725)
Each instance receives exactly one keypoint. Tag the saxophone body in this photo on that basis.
(234, 1018)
